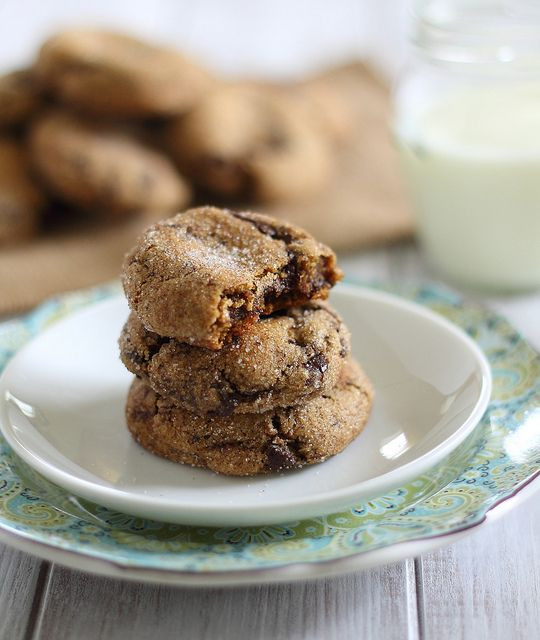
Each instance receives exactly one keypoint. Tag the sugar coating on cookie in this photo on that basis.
(107, 73)
(100, 168)
(279, 361)
(206, 273)
(255, 443)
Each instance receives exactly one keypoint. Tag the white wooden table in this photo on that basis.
(487, 585)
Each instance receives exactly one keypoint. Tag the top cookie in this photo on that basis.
(208, 272)
(109, 73)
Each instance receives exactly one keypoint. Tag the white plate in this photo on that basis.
(62, 410)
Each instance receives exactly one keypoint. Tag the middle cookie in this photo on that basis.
(279, 361)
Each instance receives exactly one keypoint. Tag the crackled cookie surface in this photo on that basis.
(281, 360)
(110, 73)
(99, 168)
(253, 443)
(207, 273)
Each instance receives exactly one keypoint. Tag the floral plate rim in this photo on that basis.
(288, 572)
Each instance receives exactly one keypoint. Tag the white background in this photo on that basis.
(274, 38)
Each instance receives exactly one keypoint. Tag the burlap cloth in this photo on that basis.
(364, 207)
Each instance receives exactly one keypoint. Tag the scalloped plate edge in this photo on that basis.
(291, 572)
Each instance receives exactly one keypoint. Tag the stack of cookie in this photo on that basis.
(241, 368)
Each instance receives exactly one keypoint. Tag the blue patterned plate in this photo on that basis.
(497, 460)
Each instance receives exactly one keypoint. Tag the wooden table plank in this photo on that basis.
(21, 577)
(81, 607)
(487, 585)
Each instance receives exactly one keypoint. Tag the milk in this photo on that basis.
(472, 161)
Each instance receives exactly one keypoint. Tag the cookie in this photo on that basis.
(279, 361)
(112, 74)
(19, 97)
(253, 443)
(327, 107)
(98, 168)
(208, 272)
(247, 143)
(21, 200)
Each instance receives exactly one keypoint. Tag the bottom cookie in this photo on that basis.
(256, 443)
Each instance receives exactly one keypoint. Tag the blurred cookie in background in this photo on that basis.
(21, 201)
(103, 169)
(327, 107)
(112, 74)
(114, 126)
(251, 143)
(20, 97)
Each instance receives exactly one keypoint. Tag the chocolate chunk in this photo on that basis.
(268, 230)
(142, 413)
(317, 365)
(279, 457)
(134, 357)
(238, 313)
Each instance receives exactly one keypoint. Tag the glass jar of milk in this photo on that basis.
(467, 121)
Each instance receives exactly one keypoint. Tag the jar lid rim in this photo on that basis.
(489, 31)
